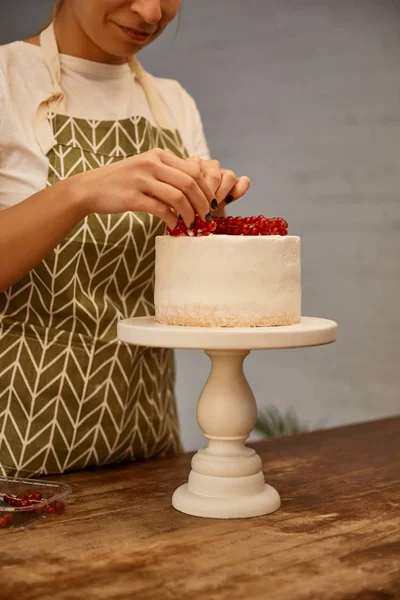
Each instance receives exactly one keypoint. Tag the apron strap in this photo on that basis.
(157, 107)
(55, 100)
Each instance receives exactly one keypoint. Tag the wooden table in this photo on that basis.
(336, 536)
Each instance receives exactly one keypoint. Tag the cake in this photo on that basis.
(224, 280)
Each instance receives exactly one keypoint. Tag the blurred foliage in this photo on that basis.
(272, 423)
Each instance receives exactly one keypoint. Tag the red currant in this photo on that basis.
(60, 507)
(51, 509)
(283, 223)
(233, 226)
(211, 226)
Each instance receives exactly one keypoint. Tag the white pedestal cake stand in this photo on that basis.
(226, 480)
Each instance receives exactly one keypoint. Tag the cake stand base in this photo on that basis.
(227, 479)
(263, 503)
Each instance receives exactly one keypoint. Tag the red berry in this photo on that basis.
(38, 496)
(170, 231)
(246, 229)
(283, 223)
(51, 509)
(247, 220)
(221, 227)
(24, 503)
(253, 220)
(237, 221)
(3, 522)
(212, 226)
(60, 507)
(254, 231)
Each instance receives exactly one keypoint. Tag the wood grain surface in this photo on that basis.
(336, 537)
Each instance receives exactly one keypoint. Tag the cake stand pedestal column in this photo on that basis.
(226, 480)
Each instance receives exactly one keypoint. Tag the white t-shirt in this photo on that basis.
(94, 91)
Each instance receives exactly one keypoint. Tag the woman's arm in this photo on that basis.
(156, 182)
(32, 228)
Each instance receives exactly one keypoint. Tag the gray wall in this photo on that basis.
(303, 97)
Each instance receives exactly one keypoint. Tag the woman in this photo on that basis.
(96, 156)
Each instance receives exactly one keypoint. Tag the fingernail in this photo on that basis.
(208, 217)
(229, 199)
(180, 218)
(214, 204)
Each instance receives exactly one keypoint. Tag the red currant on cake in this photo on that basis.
(197, 228)
(248, 226)
(252, 226)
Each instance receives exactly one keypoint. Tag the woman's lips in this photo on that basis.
(135, 34)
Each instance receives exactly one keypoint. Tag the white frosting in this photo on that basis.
(227, 280)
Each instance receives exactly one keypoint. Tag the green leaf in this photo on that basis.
(272, 423)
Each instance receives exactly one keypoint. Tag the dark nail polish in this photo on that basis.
(229, 199)
(209, 217)
(180, 218)
(214, 204)
(193, 224)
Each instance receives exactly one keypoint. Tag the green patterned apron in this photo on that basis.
(71, 394)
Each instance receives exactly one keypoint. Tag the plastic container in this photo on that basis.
(53, 502)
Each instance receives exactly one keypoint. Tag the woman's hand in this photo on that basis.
(156, 181)
(224, 183)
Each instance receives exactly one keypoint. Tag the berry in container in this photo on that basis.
(23, 501)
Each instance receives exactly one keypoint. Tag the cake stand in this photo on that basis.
(226, 480)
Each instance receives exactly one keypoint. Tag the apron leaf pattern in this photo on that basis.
(71, 394)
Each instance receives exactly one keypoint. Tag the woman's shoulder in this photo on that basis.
(22, 70)
(175, 94)
(22, 63)
(22, 53)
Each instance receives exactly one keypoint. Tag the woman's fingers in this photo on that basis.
(189, 197)
(211, 171)
(157, 208)
(174, 198)
(228, 181)
(238, 190)
(225, 184)
(193, 170)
